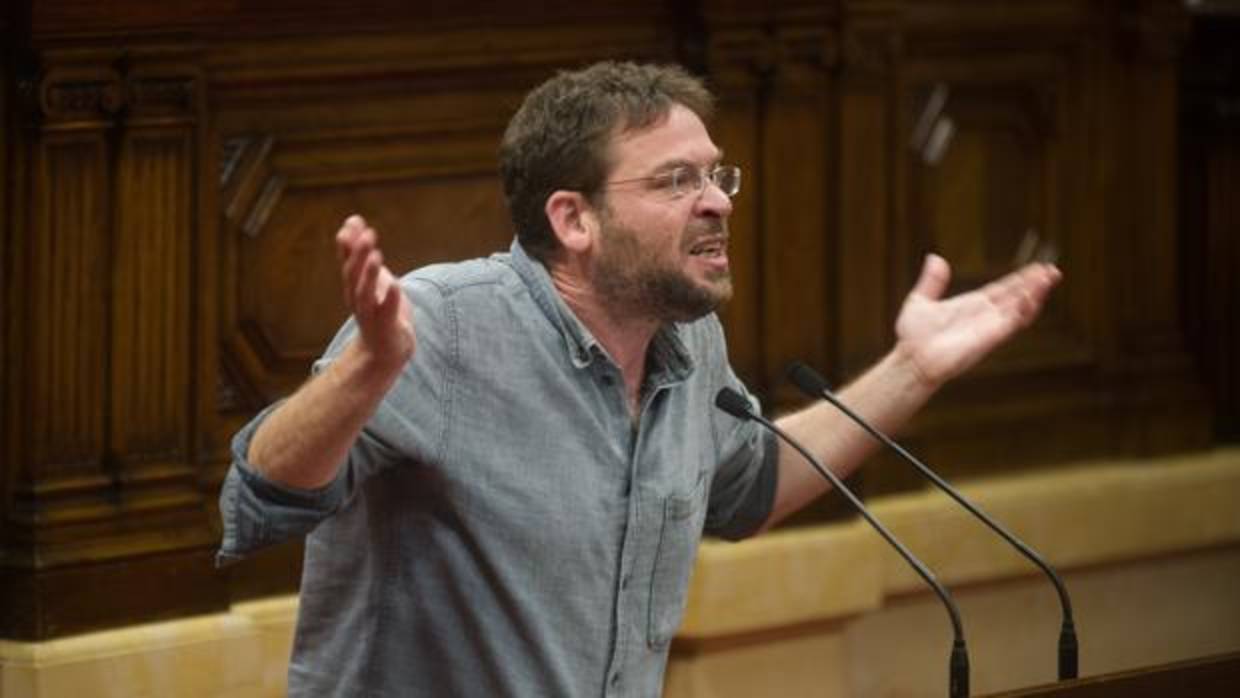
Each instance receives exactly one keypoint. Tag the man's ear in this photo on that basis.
(573, 220)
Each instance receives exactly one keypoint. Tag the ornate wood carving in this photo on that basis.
(84, 98)
(103, 467)
(278, 244)
(871, 40)
(65, 265)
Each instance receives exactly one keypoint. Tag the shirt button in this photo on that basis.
(624, 582)
(608, 379)
(615, 680)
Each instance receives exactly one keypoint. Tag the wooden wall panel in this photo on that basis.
(282, 302)
(151, 339)
(1209, 170)
(774, 77)
(9, 324)
(865, 214)
(1001, 187)
(796, 188)
(1039, 145)
(101, 467)
(67, 280)
(735, 129)
(1221, 277)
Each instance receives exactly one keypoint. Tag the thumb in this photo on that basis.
(935, 275)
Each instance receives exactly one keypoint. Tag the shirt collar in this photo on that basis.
(669, 359)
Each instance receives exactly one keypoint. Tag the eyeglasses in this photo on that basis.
(687, 180)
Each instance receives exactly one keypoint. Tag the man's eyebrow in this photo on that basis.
(670, 165)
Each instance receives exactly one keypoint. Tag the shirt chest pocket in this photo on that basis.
(679, 535)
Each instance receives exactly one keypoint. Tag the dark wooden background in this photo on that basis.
(174, 172)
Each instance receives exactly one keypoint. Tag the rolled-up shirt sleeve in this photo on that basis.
(257, 512)
(743, 492)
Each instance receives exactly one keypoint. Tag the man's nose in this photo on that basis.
(713, 202)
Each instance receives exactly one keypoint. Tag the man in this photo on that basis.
(508, 500)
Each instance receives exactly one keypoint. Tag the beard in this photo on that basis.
(635, 280)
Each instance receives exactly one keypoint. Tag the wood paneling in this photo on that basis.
(177, 173)
(1210, 216)
(866, 171)
(102, 281)
(1056, 130)
(774, 76)
(432, 197)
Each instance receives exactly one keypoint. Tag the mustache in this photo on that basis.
(714, 228)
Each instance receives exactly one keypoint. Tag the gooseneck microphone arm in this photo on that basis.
(814, 385)
(738, 406)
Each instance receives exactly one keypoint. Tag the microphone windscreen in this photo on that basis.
(733, 403)
(807, 379)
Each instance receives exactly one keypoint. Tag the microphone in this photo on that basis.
(736, 405)
(814, 385)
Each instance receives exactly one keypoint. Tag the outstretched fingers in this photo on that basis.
(373, 295)
(1021, 294)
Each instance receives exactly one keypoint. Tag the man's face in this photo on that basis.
(659, 255)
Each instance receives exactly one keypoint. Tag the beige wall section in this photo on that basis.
(1150, 550)
(241, 654)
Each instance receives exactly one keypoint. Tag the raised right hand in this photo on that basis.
(373, 294)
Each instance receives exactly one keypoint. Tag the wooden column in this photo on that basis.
(105, 520)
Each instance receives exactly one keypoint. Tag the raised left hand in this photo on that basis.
(944, 337)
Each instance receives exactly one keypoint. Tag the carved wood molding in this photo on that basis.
(461, 57)
(249, 188)
(750, 54)
(1153, 30)
(258, 174)
(109, 165)
(871, 39)
(110, 89)
(73, 95)
(234, 393)
(870, 52)
(749, 47)
(176, 93)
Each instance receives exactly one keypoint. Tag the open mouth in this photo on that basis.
(710, 247)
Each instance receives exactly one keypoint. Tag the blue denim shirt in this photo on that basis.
(501, 527)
